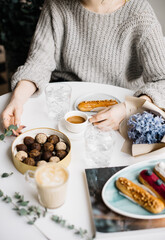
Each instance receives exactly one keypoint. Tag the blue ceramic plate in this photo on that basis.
(120, 204)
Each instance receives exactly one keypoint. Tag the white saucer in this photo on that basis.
(70, 135)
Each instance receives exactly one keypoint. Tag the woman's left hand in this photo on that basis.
(110, 117)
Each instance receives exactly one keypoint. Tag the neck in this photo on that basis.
(98, 2)
(102, 6)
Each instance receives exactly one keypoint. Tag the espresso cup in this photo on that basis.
(51, 181)
(76, 121)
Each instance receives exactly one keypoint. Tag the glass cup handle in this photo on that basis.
(29, 177)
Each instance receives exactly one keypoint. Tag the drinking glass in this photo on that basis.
(99, 146)
(58, 97)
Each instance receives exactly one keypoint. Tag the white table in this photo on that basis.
(77, 207)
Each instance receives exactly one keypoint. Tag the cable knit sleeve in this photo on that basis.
(152, 58)
(41, 58)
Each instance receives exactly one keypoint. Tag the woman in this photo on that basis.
(115, 42)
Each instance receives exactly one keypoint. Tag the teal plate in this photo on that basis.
(120, 204)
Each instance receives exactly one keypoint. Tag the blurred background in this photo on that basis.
(18, 19)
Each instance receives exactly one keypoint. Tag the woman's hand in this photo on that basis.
(13, 111)
(12, 114)
(110, 117)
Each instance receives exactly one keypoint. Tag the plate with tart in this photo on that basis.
(137, 191)
(94, 102)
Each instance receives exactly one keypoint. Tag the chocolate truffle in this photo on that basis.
(41, 138)
(60, 146)
(28, 141)
(54, 159)
(53, 139)
(46, 155)
(21, 147)
(29, 161)
(36, 146)
(34, 153)
(41, 162)
(48, 147)
(21, 155)
(61, 154)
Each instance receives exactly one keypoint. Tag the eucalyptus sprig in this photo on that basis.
(4, 175)
(8, 132)
(23, 208)
(78, 231)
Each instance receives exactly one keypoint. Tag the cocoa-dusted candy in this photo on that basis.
(28, 141)
(53, 139)
(21, 155)
(29, 161)
(41, 138)
(41, 162)
(61, 153)
(60, 146)
(54, 159)
(48, 147)
(21, 147)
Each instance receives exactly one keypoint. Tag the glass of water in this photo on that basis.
(58, 97)
(99, 146)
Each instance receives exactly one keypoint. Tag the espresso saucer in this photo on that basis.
(70, 135)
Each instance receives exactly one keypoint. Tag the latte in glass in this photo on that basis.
(51, 180)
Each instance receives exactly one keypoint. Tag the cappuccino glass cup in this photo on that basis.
(51, 180)
(76, 121)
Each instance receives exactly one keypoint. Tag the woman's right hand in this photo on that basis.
(12, 113)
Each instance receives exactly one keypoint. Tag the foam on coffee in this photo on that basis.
(51, 175)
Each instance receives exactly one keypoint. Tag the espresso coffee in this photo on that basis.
(76, 119)
(51, 180)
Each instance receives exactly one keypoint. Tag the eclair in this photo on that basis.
(87, 106)
(155, 184)
(159, 169)
(139, 195)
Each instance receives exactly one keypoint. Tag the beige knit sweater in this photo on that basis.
(116, 48)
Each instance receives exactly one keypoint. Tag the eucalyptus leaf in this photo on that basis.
(7, 199)
(1, 193)
(4, 175)
(63, 222)
(55, 218)
(70, 227)
(2, 137)
(24, 203)
(17, 195)
(14, 127)
(31, 222)
(9, 133)
(22, 212)
(16, 209)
